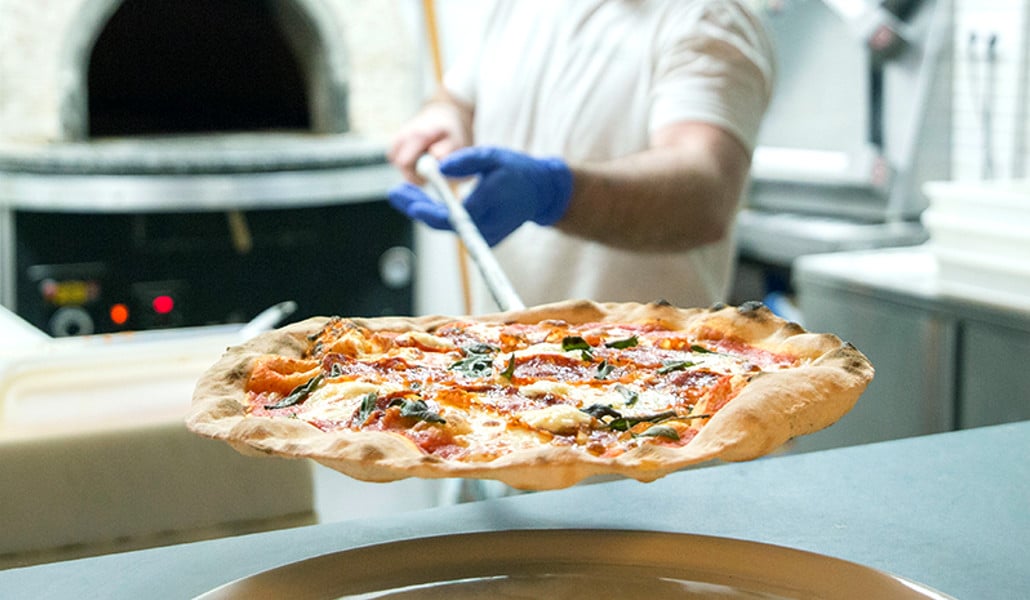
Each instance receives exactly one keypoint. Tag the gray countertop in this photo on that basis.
(908, 276)
(951, 511)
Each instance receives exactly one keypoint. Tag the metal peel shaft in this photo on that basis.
(494, 276)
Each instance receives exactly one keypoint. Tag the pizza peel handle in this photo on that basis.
(494, 276)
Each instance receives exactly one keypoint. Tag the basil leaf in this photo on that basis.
(701, 349)
(474, 365)
(603, 370)
(574, 342)
(625, 423)
(298, 394)
(478, 360)
(509, 371)
(620, 424)
(661, 431)
(629, 342)
(417, 409)
(479, 348)
(674, 365)
(601, 410)
(336, 370)
(368, 404)
(630, 396)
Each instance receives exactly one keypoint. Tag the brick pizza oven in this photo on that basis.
(227, 154)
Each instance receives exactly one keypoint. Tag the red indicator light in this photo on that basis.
(163, 304)
(119, 314)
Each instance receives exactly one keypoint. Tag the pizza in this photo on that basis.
(540, 398)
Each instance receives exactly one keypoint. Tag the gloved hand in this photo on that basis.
(513, 188)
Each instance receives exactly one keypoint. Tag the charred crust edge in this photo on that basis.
(751, 307)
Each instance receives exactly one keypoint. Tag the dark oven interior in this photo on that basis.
(168, 66)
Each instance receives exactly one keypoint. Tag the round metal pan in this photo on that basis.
(589, 564)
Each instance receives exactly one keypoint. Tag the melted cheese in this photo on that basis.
(339, 401)
(544, 387)
(559, 418)
(426, 340)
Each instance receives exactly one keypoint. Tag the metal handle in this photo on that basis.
(496, 279)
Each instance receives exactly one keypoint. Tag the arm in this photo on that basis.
(681, 193)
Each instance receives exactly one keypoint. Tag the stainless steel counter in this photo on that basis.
(948, 511)
(943, 361)
(906, 276)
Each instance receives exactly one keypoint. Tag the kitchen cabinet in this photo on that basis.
(942, 363)
(993, 376)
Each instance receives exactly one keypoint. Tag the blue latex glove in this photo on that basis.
(513, 188)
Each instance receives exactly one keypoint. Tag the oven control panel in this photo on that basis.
(136, 272)
(86, 298)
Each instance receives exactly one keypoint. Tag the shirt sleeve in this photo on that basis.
(714, 64)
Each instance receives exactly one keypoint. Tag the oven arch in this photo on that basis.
(309, 27)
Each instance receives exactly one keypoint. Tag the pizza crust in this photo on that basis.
(775, 407)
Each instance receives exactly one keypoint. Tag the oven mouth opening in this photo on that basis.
(185, 67)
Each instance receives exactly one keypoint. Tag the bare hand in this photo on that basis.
(439, 129)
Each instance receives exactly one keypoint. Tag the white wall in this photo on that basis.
(991, 104)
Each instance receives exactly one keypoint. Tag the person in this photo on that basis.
(609, 141)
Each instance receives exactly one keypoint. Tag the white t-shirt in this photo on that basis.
(590, 80)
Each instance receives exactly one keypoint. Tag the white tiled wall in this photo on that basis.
(991, 103)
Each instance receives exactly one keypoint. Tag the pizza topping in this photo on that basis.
(474, 364)
(674, 365)
(560, 419)
(299, 393)
(417, 409)
(544, 387)
(622, 423)
(599, 411)
(663, 431)
(424, 340)
(368, 404)
(629, 342)
(573, 343)
(509, 369)
(629, 396)
(474, 390)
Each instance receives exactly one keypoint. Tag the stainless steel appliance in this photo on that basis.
(860, 118)
(143, 234)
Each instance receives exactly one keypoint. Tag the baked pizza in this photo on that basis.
(539, 398)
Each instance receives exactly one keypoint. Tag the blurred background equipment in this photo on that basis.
(860, 118)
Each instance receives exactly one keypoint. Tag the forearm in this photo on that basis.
(680, 194)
